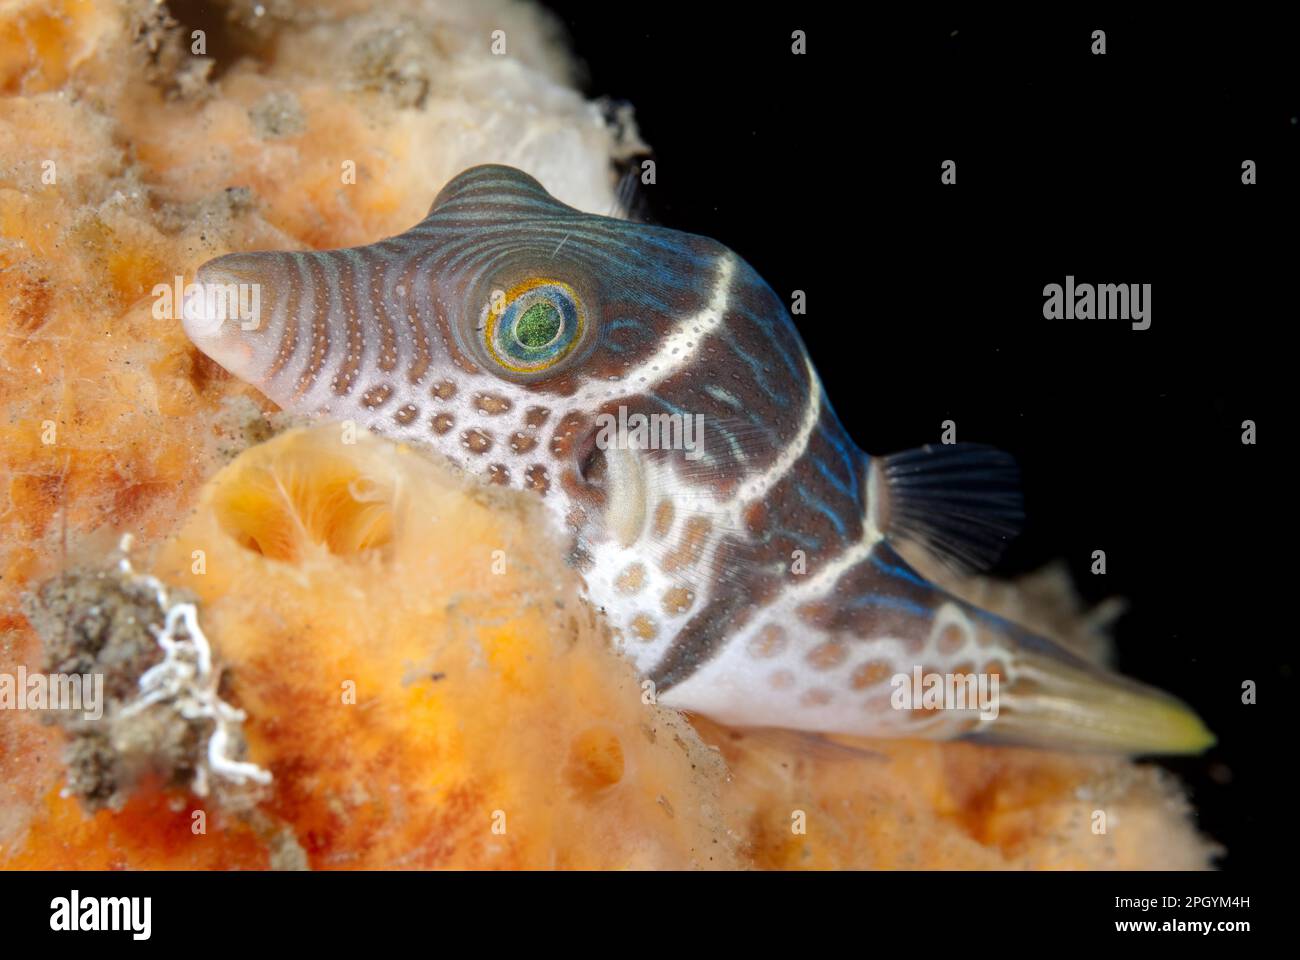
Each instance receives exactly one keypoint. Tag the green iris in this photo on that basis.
(539, 325)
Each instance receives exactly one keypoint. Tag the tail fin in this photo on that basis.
(1059, 701)
(961, 504)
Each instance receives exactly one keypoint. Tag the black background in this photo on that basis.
(925, 301)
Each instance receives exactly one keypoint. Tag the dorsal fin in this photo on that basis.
(481, 188)
(960, 501)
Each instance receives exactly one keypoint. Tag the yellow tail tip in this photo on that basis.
(1068, 707)
(1184, 732)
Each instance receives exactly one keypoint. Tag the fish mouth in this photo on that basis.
(222, 313)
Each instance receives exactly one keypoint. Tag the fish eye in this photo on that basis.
(533, 325)
(538, 326)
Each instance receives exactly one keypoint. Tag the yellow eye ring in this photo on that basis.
(533, 325)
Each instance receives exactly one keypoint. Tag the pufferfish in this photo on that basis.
(750, 571)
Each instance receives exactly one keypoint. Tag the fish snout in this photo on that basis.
(225, 311)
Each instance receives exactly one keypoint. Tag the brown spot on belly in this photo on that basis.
(827, 656)
(695, 537)
(377, 396)
(913, 643)
(521, 442)
(677, 600)
(476, 441)
(631, 580)
(443, 390)
(566, 434)
(442, 423)
(768, 642)
(346, 377)
(816, 613)
(535, 478)
(781, 680)
(534, 417)
(663, 518)
(871, 673)
(498, 474)
(816, 697)
(491, 405)
(879, 703)
(951, 639)
(406, 413)
(644, 628)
